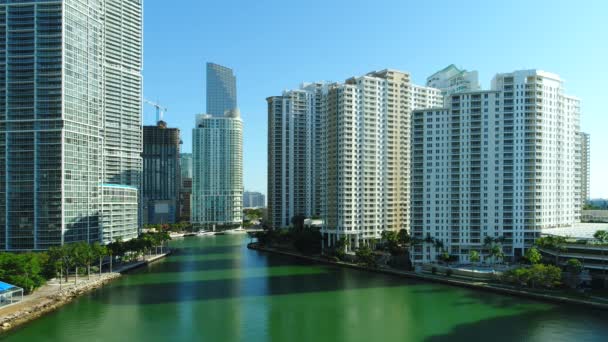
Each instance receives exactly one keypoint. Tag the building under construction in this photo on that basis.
(161, 174)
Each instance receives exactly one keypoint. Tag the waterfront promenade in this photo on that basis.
(54, 294)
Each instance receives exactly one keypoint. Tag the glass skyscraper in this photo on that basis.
(217, 184)
(69, 121)
(221, 90)
(217, 156)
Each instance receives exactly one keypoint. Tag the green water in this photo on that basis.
(215, 289)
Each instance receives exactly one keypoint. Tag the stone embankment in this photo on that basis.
(453, 281)
(49, 300)
(50, 297)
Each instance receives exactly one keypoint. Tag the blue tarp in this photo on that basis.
(5, 286)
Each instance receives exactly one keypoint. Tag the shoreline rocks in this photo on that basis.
(53, 301)
(35, 308)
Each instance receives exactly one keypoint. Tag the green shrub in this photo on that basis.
(547, 276)
(366, 256)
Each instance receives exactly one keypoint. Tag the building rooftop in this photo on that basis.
(578, 230)
(6, 286)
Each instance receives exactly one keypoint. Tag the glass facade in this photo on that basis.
(53, 102)
(221, 90)
(217, 187)
(120, 202)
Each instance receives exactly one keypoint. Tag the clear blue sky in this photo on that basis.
(276, 45)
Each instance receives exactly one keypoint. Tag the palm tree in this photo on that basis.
(559, 246)
(491, 243)
(87, 255)
(438, 244)
(602, 237)
(488, 241)
(474, 256)
(100, 252)
(414, 241)
(56, 256)
(496, 253)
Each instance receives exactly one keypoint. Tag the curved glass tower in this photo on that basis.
(221, 90)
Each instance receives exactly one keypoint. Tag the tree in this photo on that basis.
(496, 253)
(403, 236)
(23, 270)
(602, 237)
(117, 248)
(86, 256)
(445, 257)
(533, 256)
(574, 266)
(99, 252)
(438, 244)
(429, 238)
(57, 258)
(474, 256)
(413, 243)
(366, 256)
(307, 241)
(392, 241)
(77, 257)
(537, 275)
(389, 236)
(340, 247)
(488, 241)
(495, 247)
(553, 243)
(297, 222)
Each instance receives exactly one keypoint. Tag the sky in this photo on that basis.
(276, 45)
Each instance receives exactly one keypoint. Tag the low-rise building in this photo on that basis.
(594, 216)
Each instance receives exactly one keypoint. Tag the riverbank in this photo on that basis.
(52, 295)
(476, 285)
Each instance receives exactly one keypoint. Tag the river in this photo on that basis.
(215, 289)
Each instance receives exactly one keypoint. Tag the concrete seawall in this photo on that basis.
(49, 298)
(443, 280)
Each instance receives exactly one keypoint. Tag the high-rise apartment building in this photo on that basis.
(497, 163)
(295, 124)
(367, 147)
(221, 90)
(253, 200)
(585, 167)
(452, 80)
(122, 88)
(70, 137)
(217, 156)
(161, 179)
(217, 183)
(341, 151)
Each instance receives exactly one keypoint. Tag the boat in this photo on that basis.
(205, 233)
(176, 235)
(236, 231)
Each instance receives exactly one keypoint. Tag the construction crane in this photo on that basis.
(160, 110)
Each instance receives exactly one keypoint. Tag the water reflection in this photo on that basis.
(215, 289)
